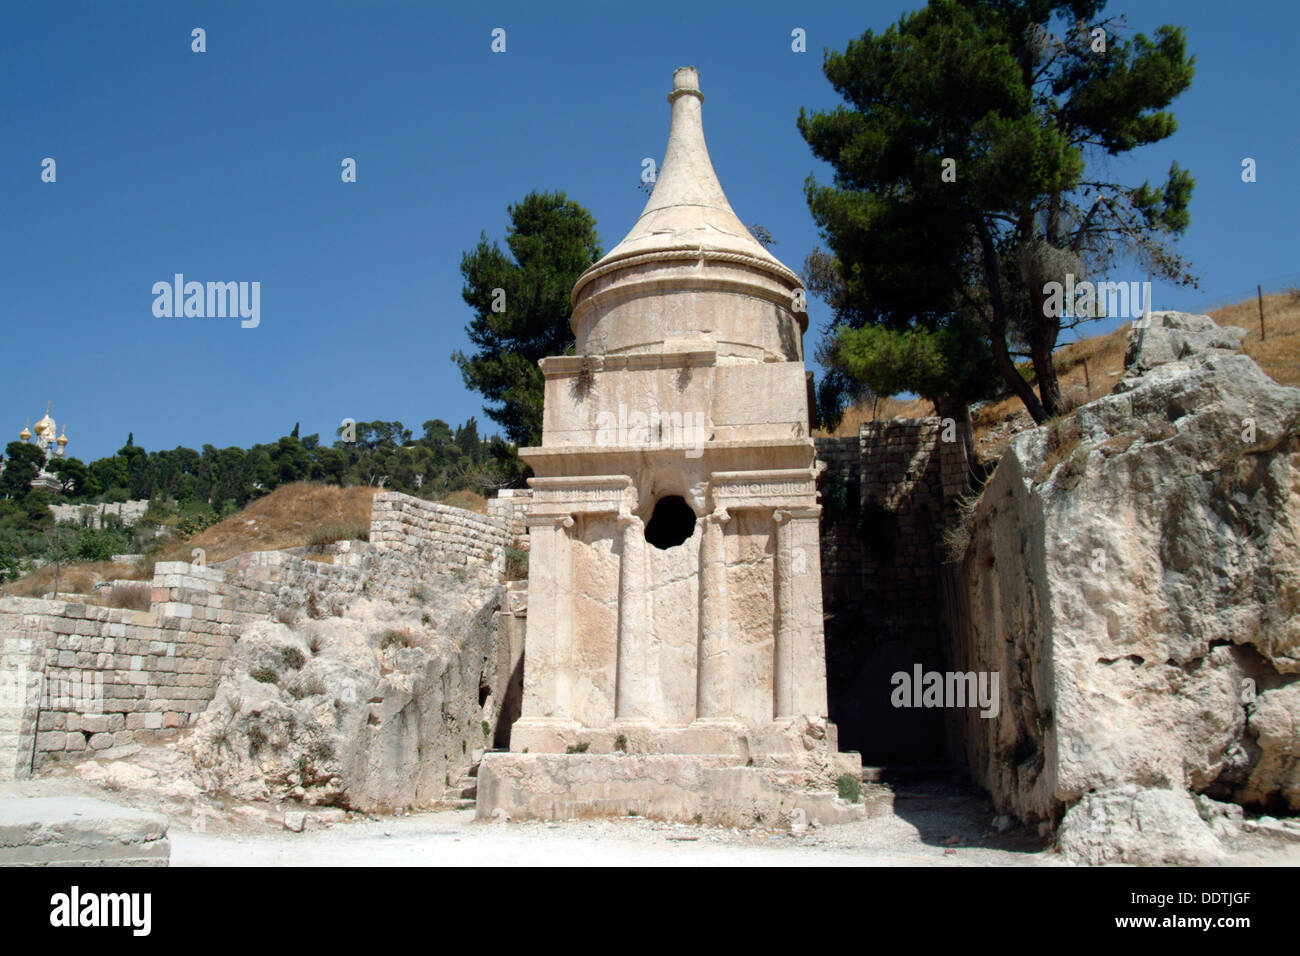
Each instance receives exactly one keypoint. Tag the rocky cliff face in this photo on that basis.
(376, 710)
(1133, 573)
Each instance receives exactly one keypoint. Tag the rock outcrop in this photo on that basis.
(376, 710)
(1133, 573)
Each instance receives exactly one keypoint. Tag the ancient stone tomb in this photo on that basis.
(674, 598)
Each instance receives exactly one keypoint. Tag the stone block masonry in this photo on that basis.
(888, 493)
(78, 678)
(93, 515)
(511, 506)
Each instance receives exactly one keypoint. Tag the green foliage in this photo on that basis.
(190, 490)
(948, 361)
(328, 534)
(516, 564)
(550, 241)
(1010, 99)
(292, 658)
(22, 463)
(263, 674)
(850, 787)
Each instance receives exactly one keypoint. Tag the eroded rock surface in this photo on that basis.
(376, 710)
(1134, 575)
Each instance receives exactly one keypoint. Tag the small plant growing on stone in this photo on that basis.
(585, 380)
(850, 787)
(256, 739)
(287, 615)
(321, 751)
(487, 729)
(426, 620)
(577, 748)
(516, 564)
(620, 743)
(313, 606)
(314, 644)
(263, 674)
(398, 637)
(292, 657)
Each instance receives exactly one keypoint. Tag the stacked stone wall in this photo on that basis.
(78, 677)
(511, 506)
(129, 511)
(888, 494)
(449, 538)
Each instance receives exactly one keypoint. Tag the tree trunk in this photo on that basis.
(1049, 387)
(1043, 332)
(998, 328)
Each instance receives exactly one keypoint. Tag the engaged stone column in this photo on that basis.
(713, 674)
(631, 668)
(786, 623)
(549, 642)
(800, 666)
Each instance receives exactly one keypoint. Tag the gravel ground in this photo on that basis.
(936, 820)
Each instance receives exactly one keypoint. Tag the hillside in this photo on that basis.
(1089, 368)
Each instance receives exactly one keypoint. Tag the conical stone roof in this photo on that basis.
(688, 209)
(688, 242)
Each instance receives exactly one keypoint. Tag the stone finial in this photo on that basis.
(686, 79)
(687, 209)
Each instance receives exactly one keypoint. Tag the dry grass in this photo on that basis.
(134, 597)
(288, 517)
(1279, 352)
(1089, 369)
(73, 578)
(469, 500)
(879, 410)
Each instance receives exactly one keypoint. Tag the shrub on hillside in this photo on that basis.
(328, 534)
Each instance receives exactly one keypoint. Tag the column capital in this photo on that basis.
(556, 521)
(793, 512)
(719, 516)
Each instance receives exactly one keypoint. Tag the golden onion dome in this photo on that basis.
(63, 439)
(25, 434)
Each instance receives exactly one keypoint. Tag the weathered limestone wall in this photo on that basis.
(511, 506)
(888, 495)
(1133, 575)
(78, 677)
(440, 537)
(129, 511)
(109, 675)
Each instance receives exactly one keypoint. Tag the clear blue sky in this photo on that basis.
(225, 166)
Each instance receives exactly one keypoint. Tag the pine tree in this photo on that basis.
(521, 302)
(963, 185)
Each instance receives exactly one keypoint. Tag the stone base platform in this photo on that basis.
(79, 831)
(688, 788)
